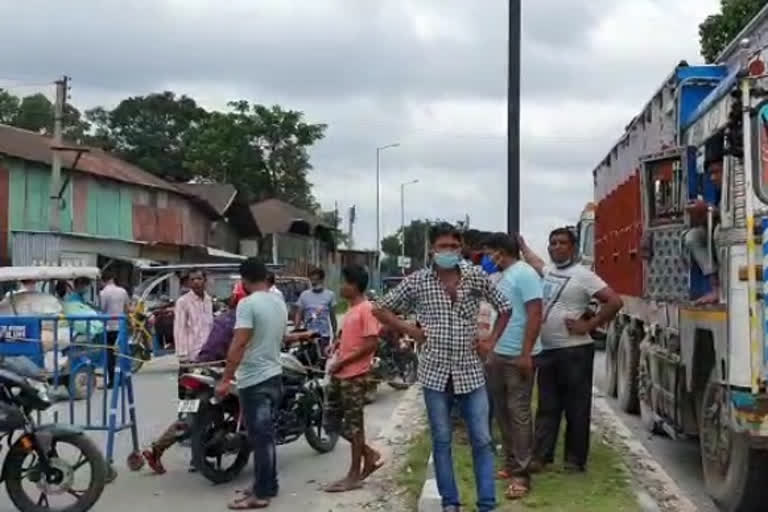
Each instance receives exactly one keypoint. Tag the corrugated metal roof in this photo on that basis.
(219, 195)
(276, 216)
(32, 146)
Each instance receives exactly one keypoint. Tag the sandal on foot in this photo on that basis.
(153, 461)
(247, 502)
(344, 486)
(518, 488)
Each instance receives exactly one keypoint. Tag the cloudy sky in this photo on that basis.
(428, 74)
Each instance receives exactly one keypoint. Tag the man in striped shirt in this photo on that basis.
(193, 319)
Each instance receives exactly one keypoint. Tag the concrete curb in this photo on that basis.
(430, 500)
(649, 471)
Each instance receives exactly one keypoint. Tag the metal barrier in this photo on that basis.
(37, 338)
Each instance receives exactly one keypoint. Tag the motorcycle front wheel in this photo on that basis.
(74, 482)
(317, 437)
(213, 437)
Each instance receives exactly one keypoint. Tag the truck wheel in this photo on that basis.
(734, 472)
(628, 358)
(645, 400)
(611, 341)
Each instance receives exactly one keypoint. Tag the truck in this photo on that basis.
(689, 369)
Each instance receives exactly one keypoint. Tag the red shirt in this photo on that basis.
(359, 323)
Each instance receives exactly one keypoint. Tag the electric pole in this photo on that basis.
(62, 89)
(513, 118)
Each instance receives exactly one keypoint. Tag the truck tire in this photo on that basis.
(611, 343)
(627, 363)
(734, 472)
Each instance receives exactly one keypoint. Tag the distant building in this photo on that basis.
(293, 237)
(108, 210)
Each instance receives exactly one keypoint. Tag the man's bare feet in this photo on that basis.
(344, 485)
(372, 463)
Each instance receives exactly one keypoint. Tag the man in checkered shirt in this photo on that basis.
(446, 299)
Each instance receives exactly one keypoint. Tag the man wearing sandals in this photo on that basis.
(349, 368)
(566, 363)
(260, 324)
(446, 299)
(510, 364)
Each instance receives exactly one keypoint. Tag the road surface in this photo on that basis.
(680, 459)
(301, 471)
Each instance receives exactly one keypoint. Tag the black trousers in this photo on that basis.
(565, 387)
(111, 357)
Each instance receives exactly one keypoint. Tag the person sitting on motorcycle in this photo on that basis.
(349, 370)
(215, 349)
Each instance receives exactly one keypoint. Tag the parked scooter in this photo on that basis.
(218, 429)
(49, 459)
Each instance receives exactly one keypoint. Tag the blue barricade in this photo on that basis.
(86, 352)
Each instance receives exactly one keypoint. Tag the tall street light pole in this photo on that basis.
(378, 207)
(402, 219)
(513, 118)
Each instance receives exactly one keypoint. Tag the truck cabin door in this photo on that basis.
(663, 193)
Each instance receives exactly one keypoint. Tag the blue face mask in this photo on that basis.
(488, 265)
(447, 259)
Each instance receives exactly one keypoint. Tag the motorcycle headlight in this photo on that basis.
(41, 388)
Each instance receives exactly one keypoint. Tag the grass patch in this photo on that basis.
(605, 487)
(413, 471)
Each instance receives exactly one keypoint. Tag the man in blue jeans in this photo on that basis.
(446, 299)
(254, 358)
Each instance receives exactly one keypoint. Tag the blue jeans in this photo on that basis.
(259, 403)
(474, 410)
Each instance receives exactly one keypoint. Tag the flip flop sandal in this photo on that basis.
(247, 502)
(339, 487)
(517, 489)
(376, 466)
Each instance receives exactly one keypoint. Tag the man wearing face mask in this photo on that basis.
(446, 298)
(566, 363)
(316, 308)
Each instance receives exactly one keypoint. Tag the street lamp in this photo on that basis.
(378, 206)
(402, 219)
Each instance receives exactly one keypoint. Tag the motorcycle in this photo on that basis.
(217, 429)
(38, 456)
(395, 362)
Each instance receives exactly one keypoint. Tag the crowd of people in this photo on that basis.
(539, 337)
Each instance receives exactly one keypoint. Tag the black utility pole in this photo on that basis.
(513, 119)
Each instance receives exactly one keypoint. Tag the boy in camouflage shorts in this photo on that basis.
(353, 355)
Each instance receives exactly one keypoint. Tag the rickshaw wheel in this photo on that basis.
(135, 461)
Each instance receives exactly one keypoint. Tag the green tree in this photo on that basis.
(261, 150)
(415, 234)
(718, 30)
(35, 113)
(9, 107)
(149, 131)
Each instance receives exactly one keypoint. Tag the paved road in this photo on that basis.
(680, 459)
(301, 470)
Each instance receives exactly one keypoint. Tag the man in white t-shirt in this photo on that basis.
(566, 362)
